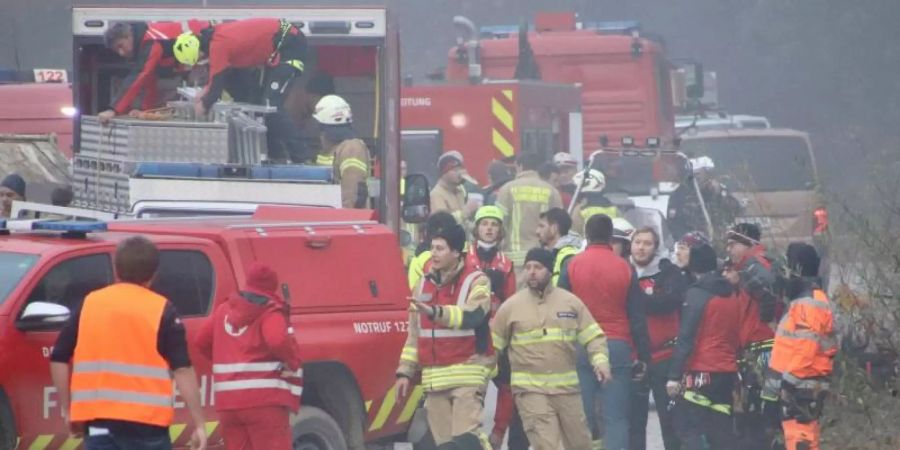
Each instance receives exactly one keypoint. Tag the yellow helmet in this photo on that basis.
(187, 48)
(489, 212)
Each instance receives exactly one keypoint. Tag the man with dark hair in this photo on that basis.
(609, 288)
(554, 233)
(498, 174)
(11, 189)
(703, 368)
(436, 221)
(61, 196)
(549, 173)
(524, 199)
(148, 47)
(124, 346)
(664, 285)
(448, 193)
(449, 341)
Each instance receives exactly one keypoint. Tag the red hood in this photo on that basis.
(758, 251)
(243, 312)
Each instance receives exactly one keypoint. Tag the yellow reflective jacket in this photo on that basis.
(523, 200)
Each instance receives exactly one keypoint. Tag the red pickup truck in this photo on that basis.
(341, 270)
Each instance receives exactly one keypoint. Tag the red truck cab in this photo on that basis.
(349, 313)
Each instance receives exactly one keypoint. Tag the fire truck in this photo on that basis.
(350, 332)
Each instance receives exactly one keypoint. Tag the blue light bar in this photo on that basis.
(70, 226)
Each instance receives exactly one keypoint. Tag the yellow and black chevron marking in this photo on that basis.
(63, 442)
(389, 405)
(503, 126)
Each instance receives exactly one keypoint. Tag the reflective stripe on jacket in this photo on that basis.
(117, 371)
(561, 255)
(805, 342)
(524, 199)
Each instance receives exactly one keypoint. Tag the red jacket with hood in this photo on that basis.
(255, 357)
(758, 303)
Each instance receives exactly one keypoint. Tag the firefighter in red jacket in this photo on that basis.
(257, 375)
(149, 47)
(804, 348)
(485, 255)
(274, 44)
(757, 418)
(704, 368)
(449, 340)
(664, 285)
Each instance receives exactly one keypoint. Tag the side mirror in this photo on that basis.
(43, 316)
(416, 199)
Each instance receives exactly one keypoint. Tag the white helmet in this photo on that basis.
(702, 163)
(333, 110)
(595, 182)
(622, 229)
(564, 159)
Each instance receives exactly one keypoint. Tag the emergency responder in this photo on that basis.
(805, 345)
(255, 364)
(683, 248)
(484, 255)
(685, 212)
(300, 104)
(621, 237)
(351, 155)
(567, 166)
(554, 234)
(125, 345)
(524, 199)
(449, 340)
(448, 193)
(498, 174)
(436, 221)
(549, 173)
(11, 189)
(540, 326)
(703, 370)
(665, 287)
(591, 200)
(148, 47)
(274, 44)
(757, 418)
(609, 288)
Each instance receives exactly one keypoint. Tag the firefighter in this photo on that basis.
(524, 199)
(591, 200)
(665, 286)
(567, 166)
(539, 327)
(148, 46)
(351, 155)
(125, 346)
(11, 189)
(448, 193)
(703, 370)
(554, 234)
(757, 418)
(498, 174)
(685, 212)
(621, 238)
(436, 221)
(449, 340)
(484, 254)
(256, 367)
(805, 345)
(609, 287)
(274, 44)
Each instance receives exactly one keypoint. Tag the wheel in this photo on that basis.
(8, 433)
(314, 429)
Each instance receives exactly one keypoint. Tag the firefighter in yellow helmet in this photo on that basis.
(591, 200)
(351, 156)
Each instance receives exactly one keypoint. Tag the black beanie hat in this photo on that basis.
(543, 256)
(803, 258)
(745, 233)
(703, 259)
(15, 183)
(455, 236)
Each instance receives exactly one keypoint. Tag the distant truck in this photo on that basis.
(38, 109)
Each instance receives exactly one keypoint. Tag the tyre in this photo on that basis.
(314, 429)
(8, 433)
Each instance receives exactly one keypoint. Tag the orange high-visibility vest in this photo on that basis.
(804, 342)
(117, 371)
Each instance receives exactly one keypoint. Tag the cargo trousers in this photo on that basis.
(454, 413)
(554, 419)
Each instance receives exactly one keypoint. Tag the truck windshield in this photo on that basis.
(13, 267)
(757, 163)
(637, 175)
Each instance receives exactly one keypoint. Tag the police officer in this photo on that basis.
(541, 327)
(350, 155)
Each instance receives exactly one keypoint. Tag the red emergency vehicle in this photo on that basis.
(624, 76)
(487, 122)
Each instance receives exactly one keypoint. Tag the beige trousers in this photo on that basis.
(554, 420)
